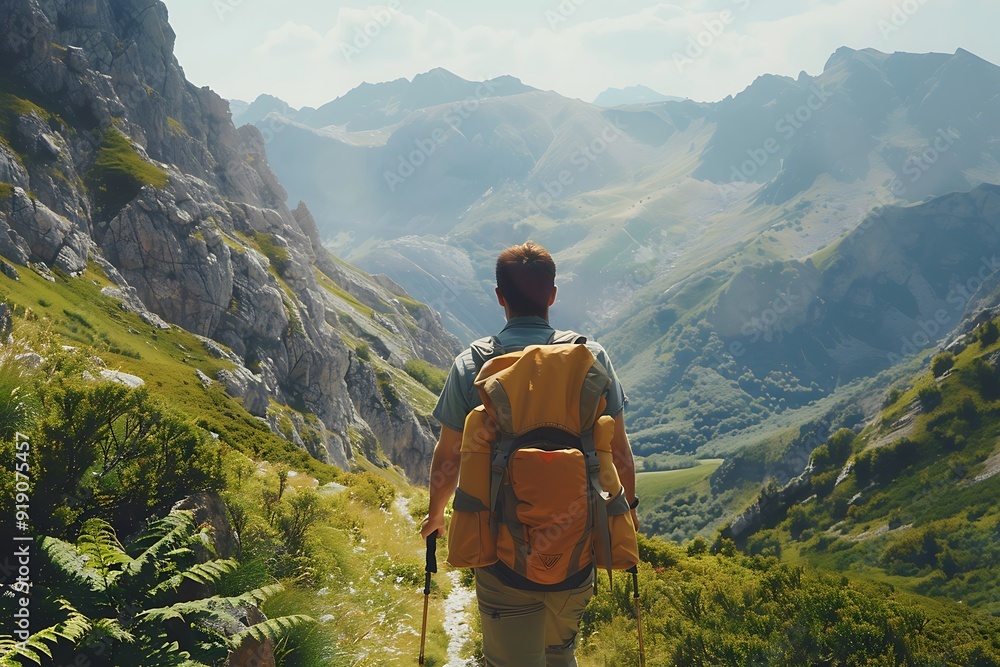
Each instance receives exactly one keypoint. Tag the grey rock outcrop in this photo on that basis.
(249, 388)
(211, 247)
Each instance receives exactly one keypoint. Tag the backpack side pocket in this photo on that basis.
(624, 541)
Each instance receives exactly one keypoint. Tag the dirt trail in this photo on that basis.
(457, 620)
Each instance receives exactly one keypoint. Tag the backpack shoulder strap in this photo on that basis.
(485, 349)
(489, 347)
(563, 337)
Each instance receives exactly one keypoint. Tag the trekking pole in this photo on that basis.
(638, 614)
(432, 567)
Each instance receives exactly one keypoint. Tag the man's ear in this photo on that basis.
(552, 299)
(502, 301)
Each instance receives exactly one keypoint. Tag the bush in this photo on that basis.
(370, 489)
(942, 363)
(108, 450)
(276, 254)
(894, 395)
(988, 334)
(430, 376)
(929, 397)
(798, 521)
(697, 547)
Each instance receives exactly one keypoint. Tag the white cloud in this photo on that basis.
(312, 57)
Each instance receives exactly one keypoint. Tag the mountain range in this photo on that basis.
(676, 223)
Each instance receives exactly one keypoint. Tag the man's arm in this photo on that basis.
(444, 479)
(621, 450)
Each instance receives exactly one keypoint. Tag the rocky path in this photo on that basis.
(457, 606)
(457, 620)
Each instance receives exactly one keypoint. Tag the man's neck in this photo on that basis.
(511, 316)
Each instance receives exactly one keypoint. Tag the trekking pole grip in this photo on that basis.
(432, 564)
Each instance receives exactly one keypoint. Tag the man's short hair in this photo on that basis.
(526, 275)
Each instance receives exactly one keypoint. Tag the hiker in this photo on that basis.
(525, 623)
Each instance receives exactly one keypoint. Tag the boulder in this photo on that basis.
(209, 508)
(249, 388)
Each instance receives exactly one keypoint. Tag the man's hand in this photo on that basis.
(431, 525)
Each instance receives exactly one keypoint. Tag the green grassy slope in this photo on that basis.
(74, 312)
(916, 503)
(725, 608)
(657, 484)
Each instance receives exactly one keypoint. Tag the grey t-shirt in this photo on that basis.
(460, 397)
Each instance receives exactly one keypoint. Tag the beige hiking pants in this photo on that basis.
(529, 628)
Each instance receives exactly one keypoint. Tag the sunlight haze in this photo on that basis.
(308, 52)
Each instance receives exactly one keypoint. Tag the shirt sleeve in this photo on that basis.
(453, 405)
(617, 400)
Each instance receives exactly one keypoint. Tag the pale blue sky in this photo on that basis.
(310, 51)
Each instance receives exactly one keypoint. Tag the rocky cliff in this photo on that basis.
(108, 154)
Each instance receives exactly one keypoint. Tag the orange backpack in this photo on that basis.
(538, 489)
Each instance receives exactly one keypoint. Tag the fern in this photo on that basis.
(72, 630)
(169, 537)
(201, 573)
(77, 581)
(274, 629)
(113, 588)
(105, 554)
(110, 628)
(258, 595)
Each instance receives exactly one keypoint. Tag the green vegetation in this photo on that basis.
(11, 108)
(136, 451)
(276, 254)
(349, 301)
(176, 128)
(942, 363)
(679, 505)
(140, 604)
(430, 376)
(6, 190)
(659, 484)
(118, 174)
(732, 609)
(101, 449)
(917, 507)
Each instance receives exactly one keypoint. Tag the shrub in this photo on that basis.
(697, 546)
(364, 352)
(370, 489)
(894, 395)
(988, 334)
(103, 447)
(942, 363)
(798, 521)
(430, 376)
(929, 397)
(276, 254)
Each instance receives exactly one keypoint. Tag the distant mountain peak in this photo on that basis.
(614, 97)
(437, 72)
